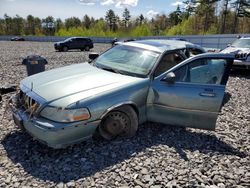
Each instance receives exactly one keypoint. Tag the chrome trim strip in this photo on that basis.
(184, 109)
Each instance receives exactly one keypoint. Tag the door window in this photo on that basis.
(72, 41)
(167, 62)
(82, 41)
(202, 71)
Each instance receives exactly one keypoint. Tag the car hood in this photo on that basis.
(241, 54)
(235, 50)
(80, 81)
(58, 43)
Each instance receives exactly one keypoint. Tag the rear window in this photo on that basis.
(80, 40)
(84, 40)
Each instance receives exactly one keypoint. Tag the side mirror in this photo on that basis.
(169, 78)
(93, 56)
(228, 45)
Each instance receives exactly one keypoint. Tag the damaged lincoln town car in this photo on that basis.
(131, 83)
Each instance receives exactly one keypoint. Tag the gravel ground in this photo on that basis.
(158, 156)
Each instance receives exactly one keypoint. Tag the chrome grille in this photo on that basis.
(29, 104)
(241, 56)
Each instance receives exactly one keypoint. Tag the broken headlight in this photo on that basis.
(65, 115)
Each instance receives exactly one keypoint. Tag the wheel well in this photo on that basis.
(135, 109)
(133, 106)
(127, 111)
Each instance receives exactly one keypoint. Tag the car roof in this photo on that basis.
(78, 38)
(162, 45)
(242, 38)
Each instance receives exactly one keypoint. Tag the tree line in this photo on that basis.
(197, 17)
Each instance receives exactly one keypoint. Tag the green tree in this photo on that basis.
(190, 7)
(38, 26)
(141, 30)
(8, 24)
(30, 26)
(126, 17)
(72, 22)
(2, 27)
(175, 17)
(86, 21)
(18, 25)
(224, 15)
(48, 25)
(159, 24)
(141, 19)
(111, 19)
(58, 24)
(242, 9)
(206, 12)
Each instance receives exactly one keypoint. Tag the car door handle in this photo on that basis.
(205, 94)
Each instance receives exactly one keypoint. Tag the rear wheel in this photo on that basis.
(122, 121)
(87, 48)
(65, 48)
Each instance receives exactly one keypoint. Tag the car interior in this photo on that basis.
(167, 62)
(203, 71)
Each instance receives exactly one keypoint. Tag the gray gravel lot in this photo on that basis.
(158, 156)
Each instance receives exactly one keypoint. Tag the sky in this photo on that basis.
(96, 8)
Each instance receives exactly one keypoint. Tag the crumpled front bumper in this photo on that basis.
(53, 134)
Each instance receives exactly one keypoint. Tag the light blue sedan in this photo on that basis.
(131, 83)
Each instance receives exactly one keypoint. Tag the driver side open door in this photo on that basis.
(190, 94)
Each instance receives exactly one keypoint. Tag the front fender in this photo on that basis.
(130, 103)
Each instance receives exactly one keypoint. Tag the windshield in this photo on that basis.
(242, 43)
(68, 39)
(128, 60)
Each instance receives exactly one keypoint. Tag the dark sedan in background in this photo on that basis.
(17, 39)
(81, 43)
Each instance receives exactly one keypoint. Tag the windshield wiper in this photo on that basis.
(110, 69)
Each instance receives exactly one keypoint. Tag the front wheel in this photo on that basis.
(122, 121)
(65, 48)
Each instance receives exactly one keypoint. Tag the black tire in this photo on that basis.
(65, 48)
(87, 48)
(120, 122)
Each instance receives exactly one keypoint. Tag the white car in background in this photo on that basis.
(241, 49)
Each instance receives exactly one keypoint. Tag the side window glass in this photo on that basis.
(167, 62)
(203, 71)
